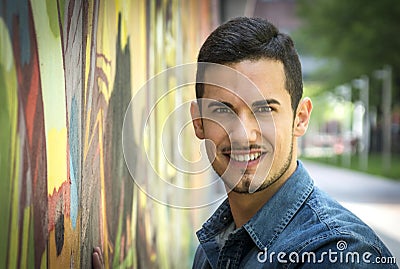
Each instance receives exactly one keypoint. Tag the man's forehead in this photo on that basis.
(229, 83)
(226, 77)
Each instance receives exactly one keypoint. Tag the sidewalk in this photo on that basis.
(375, 200)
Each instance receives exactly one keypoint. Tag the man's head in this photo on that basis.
(252, 39)
(249, 112)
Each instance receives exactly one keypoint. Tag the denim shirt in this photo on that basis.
(299, 227)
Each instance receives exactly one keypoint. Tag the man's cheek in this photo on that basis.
(210, 149)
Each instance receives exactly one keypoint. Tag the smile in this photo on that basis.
(245, 157)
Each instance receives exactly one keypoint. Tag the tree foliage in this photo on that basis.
(355, 37)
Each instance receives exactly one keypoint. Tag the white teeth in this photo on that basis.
(245, 157)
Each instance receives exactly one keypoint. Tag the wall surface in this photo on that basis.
(68, 70)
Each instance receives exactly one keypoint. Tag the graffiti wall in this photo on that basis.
(68, 70)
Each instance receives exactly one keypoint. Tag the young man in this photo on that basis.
(250, 112)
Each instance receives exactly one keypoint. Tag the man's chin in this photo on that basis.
(240, 190)
(246, 190)
(243, 187)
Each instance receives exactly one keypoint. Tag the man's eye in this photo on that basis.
(223, 110)
(263, 109)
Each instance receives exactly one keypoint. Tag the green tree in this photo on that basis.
(354, 37)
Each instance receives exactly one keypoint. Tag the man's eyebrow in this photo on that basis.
(265, 102)
(220, 103)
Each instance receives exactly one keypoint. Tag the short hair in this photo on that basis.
(252, 39)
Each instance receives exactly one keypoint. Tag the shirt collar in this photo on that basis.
(272, 218)
(218, 222)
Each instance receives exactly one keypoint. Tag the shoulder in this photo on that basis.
(336, 219)
(327, 229)
(322, 215)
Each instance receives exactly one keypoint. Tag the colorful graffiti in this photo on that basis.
(68, 70)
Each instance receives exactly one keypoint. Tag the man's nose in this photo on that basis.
(245, 129)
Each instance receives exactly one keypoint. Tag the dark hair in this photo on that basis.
(245, 38)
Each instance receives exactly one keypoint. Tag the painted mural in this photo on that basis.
(68, 70)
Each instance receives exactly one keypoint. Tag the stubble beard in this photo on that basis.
(270, 179)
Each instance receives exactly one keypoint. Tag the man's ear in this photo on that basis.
(196, 120)
(302, 118)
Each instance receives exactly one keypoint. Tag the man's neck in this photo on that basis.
(245, 206)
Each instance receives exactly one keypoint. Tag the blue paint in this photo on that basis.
(18, 9)
(74, 160)
(74, 195)
(24, 33)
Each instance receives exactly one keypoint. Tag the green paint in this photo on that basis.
(51, 65)
(8, 138)
(61, 8)
(52, 14)
(43, 264)
(5, 170)
(31, 243)
(25, 237)
(118, 242)
(128, 261)
(14, 228)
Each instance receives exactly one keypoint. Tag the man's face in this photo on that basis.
(247, 124)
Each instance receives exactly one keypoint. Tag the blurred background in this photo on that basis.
(68, 70)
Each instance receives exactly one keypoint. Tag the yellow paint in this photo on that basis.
(124, 7)
(106, 48)
(87, 128)
(56, 158)
(70, 254)
(88, 48)
(106, 41)
(137, 32)
(53, 92)
(103, 87)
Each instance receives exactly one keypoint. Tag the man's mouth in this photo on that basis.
(242, 156)
(245, 157)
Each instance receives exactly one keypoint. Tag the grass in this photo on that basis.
(375, 164)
